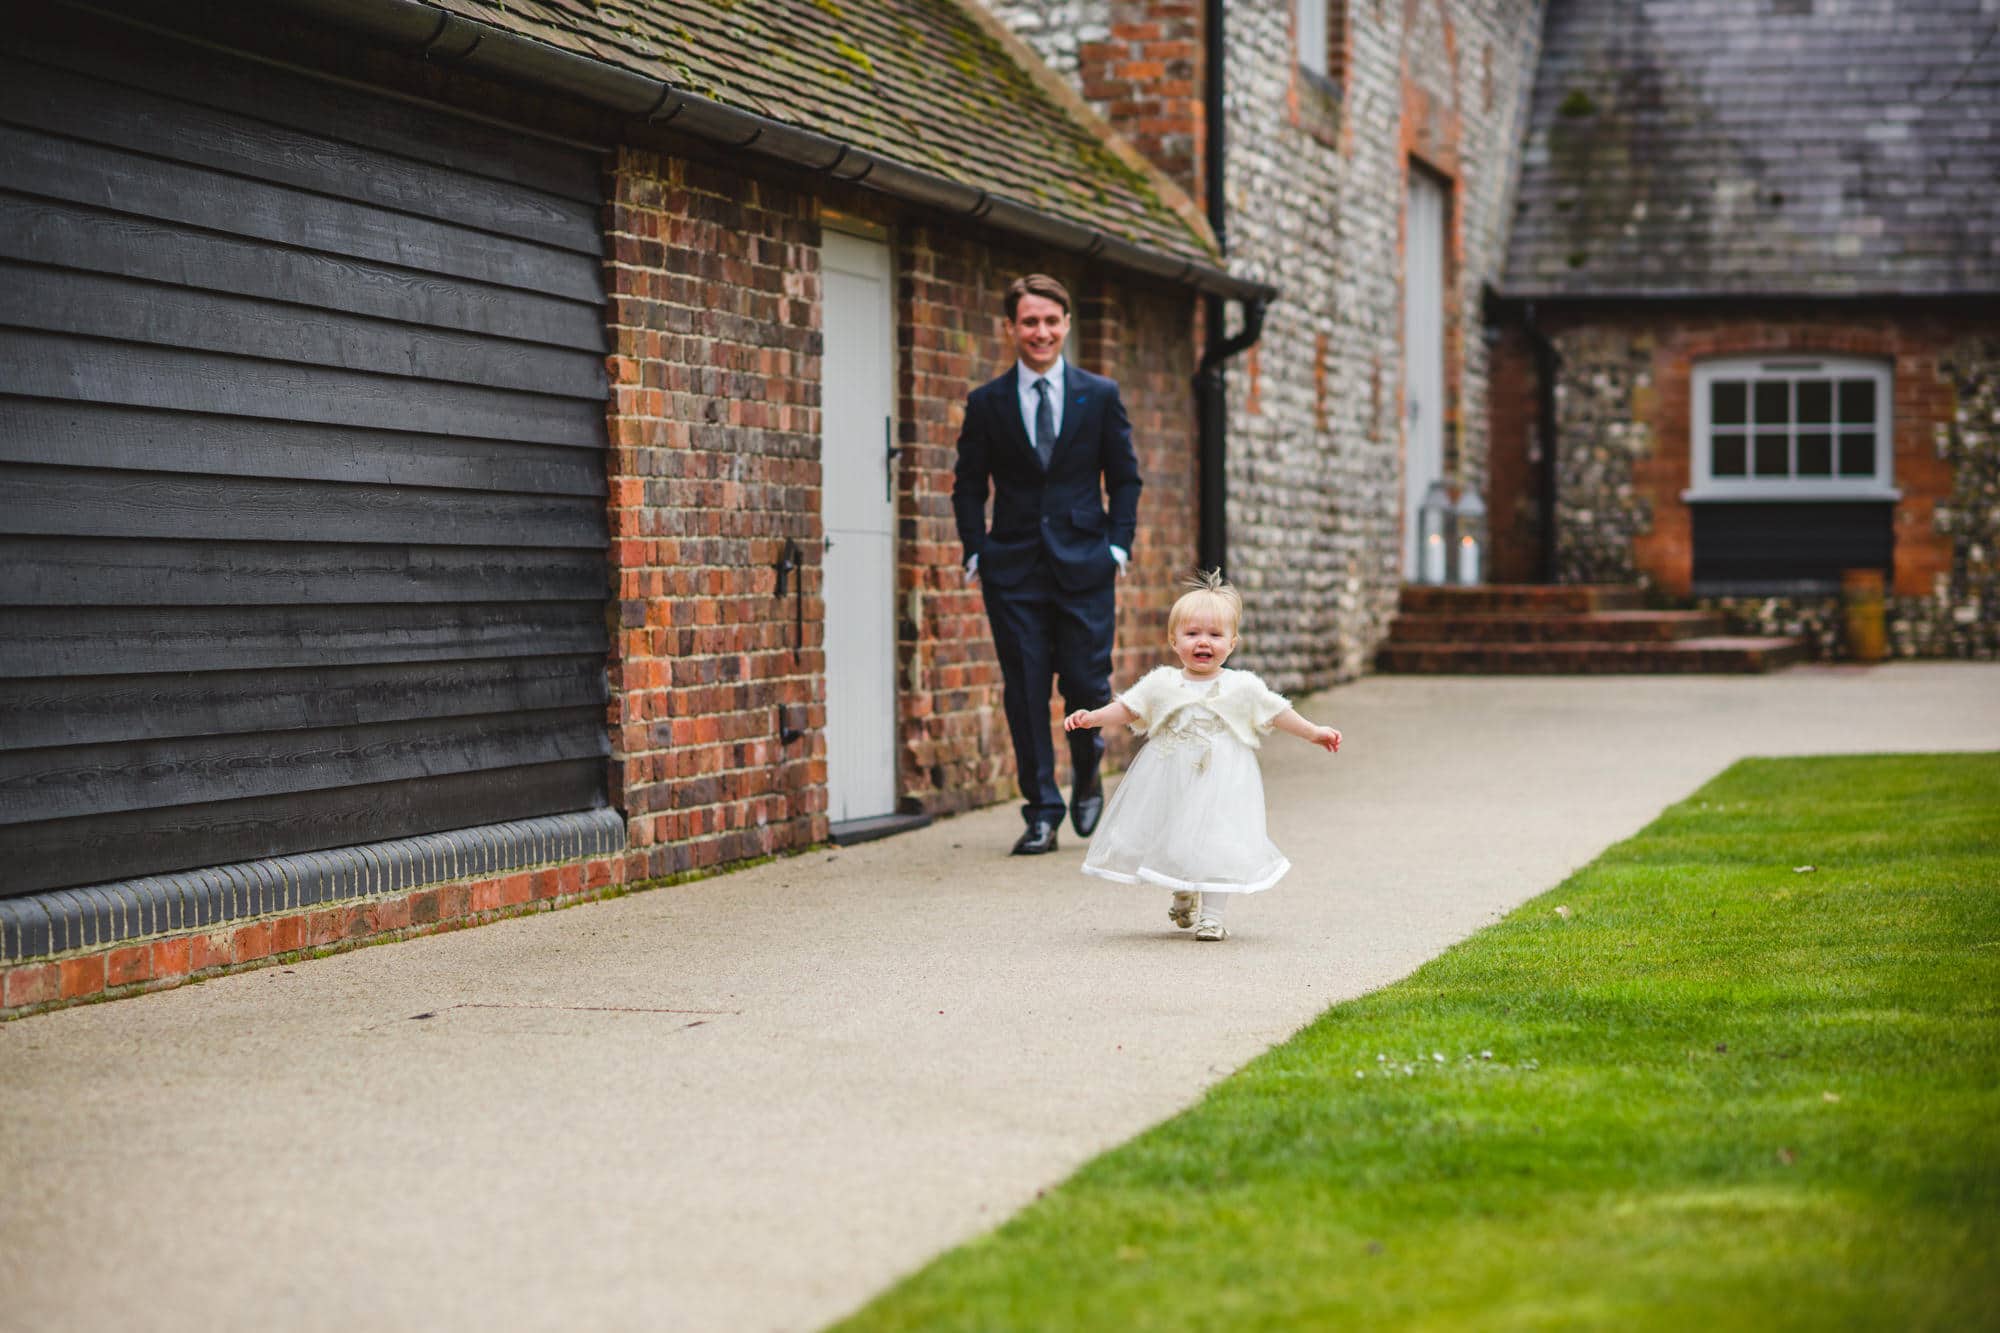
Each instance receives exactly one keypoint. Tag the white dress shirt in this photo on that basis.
(1024, 382)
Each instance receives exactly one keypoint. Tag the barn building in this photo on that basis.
(457, 456)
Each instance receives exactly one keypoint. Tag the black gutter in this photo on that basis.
(1211, 382)
(447, 38)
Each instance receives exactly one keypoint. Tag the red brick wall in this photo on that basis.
(1513, 502)
(955, 752)
(1922, 401)
(714, 285)
(715, 447)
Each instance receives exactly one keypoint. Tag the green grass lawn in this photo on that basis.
(1723, 1092)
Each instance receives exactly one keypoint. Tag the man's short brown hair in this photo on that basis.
(1036, 284)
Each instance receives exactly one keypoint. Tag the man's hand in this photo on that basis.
(1123, 557)
(972, 571)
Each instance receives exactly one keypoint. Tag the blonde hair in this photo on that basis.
(1206, 591)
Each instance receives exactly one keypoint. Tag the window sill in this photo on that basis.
(1783, 492)
(1316, 107)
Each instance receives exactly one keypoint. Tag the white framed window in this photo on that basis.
(1312, 38)
(1792, 428)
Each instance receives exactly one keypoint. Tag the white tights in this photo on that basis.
(1213, 903)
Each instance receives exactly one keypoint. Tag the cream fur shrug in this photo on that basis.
(1246, 705)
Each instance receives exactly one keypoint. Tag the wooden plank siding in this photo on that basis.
(302, 469)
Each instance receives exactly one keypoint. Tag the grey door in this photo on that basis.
(1423, 355)
(302, 463)
(857, 490)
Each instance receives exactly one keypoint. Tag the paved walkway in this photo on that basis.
(751, 1102)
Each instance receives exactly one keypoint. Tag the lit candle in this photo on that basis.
(1434, 558)
(1468, 560)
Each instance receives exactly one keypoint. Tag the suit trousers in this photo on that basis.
(1042, 631)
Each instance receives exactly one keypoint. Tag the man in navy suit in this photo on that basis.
(1044, 438)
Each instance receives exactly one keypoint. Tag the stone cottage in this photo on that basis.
(1748, 331)
(1361, 155)
(457, 455)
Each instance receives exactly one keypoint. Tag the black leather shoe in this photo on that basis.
(1040, 837)
(1085, 806)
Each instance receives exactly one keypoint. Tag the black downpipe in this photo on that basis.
(1211, 384)
(1548, 363)
(1212, 400)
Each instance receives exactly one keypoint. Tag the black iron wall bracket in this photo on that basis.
(790, 567)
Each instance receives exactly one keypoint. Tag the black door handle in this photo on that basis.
(789, 563)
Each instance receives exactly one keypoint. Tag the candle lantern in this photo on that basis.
(1469, 525)
(1432, 538)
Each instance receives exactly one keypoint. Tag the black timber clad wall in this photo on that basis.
(302, 460)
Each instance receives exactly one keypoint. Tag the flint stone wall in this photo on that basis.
(1600, 440)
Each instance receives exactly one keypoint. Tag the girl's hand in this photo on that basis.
(1081, 719)
(1326, 738)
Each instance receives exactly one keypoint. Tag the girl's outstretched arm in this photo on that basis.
(1326, 738)
(1113, 714)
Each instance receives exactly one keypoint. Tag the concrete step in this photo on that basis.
(1531, 598)
(1586, 627)
(1717, 655)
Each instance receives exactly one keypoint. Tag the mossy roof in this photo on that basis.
(1736, 147)
(920, 82)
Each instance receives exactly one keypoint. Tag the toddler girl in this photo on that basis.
(1189, 815)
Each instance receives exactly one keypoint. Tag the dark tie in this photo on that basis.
(1045, 423)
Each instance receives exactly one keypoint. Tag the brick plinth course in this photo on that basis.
(133, 968)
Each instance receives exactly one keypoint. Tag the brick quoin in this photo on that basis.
(1144, 73)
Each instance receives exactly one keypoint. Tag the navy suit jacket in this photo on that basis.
(1060, 510)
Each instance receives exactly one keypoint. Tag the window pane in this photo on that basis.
(1727, 400)
(1726, 459)
(1774, 456)
(1815, 454)
(1312, 34)
(1857, 403)
(1857, 453)
(1816, 400)
(1774, 401)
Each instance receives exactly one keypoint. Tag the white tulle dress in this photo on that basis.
(1189, 813)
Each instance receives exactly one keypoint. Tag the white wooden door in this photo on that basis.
(858, 511)
(1423, 355)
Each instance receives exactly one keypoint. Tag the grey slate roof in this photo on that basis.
(1813, 147)
(923, 82)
